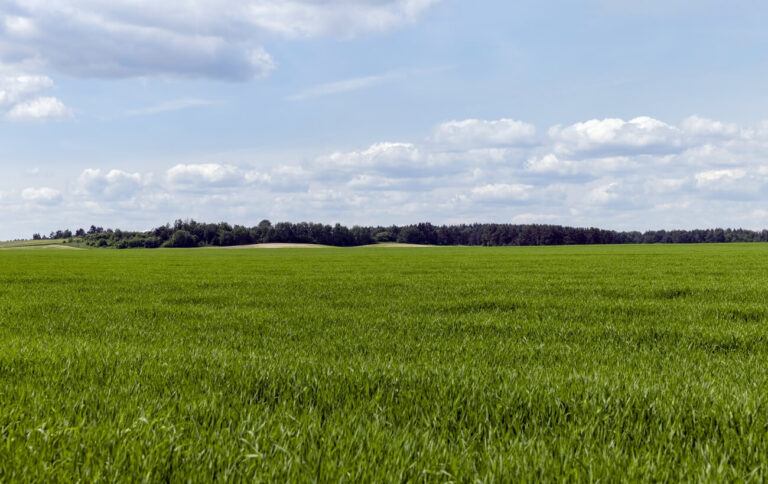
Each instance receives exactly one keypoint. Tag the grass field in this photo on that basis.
(596, 363)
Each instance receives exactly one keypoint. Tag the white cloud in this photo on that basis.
(550, 163)
(18, 97)
(732, 184)
(254, 176)
(111, 185)
(43, 195)
(642, 135)
(502, 192)
(707, 128)
(737, 184)
(535, 218)
(481, 133)
(335, 17)
(393, 158)
(19, 27)
(14, 88)
(205, 174)
(603, 194)
(717, 177)
(179, 38)
(39, 109)
(553, 164)
(452, 157)
(373, 182)
(211, 39)
(664, 185)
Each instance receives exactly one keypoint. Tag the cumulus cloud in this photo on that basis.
(255, 176)
(111, 185)
(14, 88)
(386, 157)
(211, 39)
(641, 135)
(43, 195)
(603, 194)
(373, 182)
(482, 133)
(551, 163)
(708, 128)
(584, 170)
(204, 175)
(663, 185)
(513, 192)
(732, 184)
(715, 176)
(38, 109)
(19, 97)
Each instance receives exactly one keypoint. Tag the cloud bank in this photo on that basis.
(182, 39)
(214, 39)
(626, 174)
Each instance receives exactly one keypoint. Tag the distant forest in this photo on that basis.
(189, 233)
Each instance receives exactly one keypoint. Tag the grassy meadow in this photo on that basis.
(588, 363)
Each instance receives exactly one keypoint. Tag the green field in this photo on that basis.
(536, 364)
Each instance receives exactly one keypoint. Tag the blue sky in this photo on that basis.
(616, 114)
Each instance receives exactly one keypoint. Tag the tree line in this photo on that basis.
(189, 233)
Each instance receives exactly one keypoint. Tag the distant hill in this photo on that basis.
(16, 244)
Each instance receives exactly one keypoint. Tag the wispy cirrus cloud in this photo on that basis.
(359, 83)
(345, 85)
(173, 105)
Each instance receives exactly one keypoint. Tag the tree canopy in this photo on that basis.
(189, 233)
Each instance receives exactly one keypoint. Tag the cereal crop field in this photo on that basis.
(599, 363)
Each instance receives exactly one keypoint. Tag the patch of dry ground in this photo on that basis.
(314, 246)
(276, 246)
(396, 244)
(40, 247)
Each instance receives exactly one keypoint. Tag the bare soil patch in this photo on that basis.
(276, 246)
(280, 245)
(41, 247)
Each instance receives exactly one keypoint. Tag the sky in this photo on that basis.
(608, 113)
